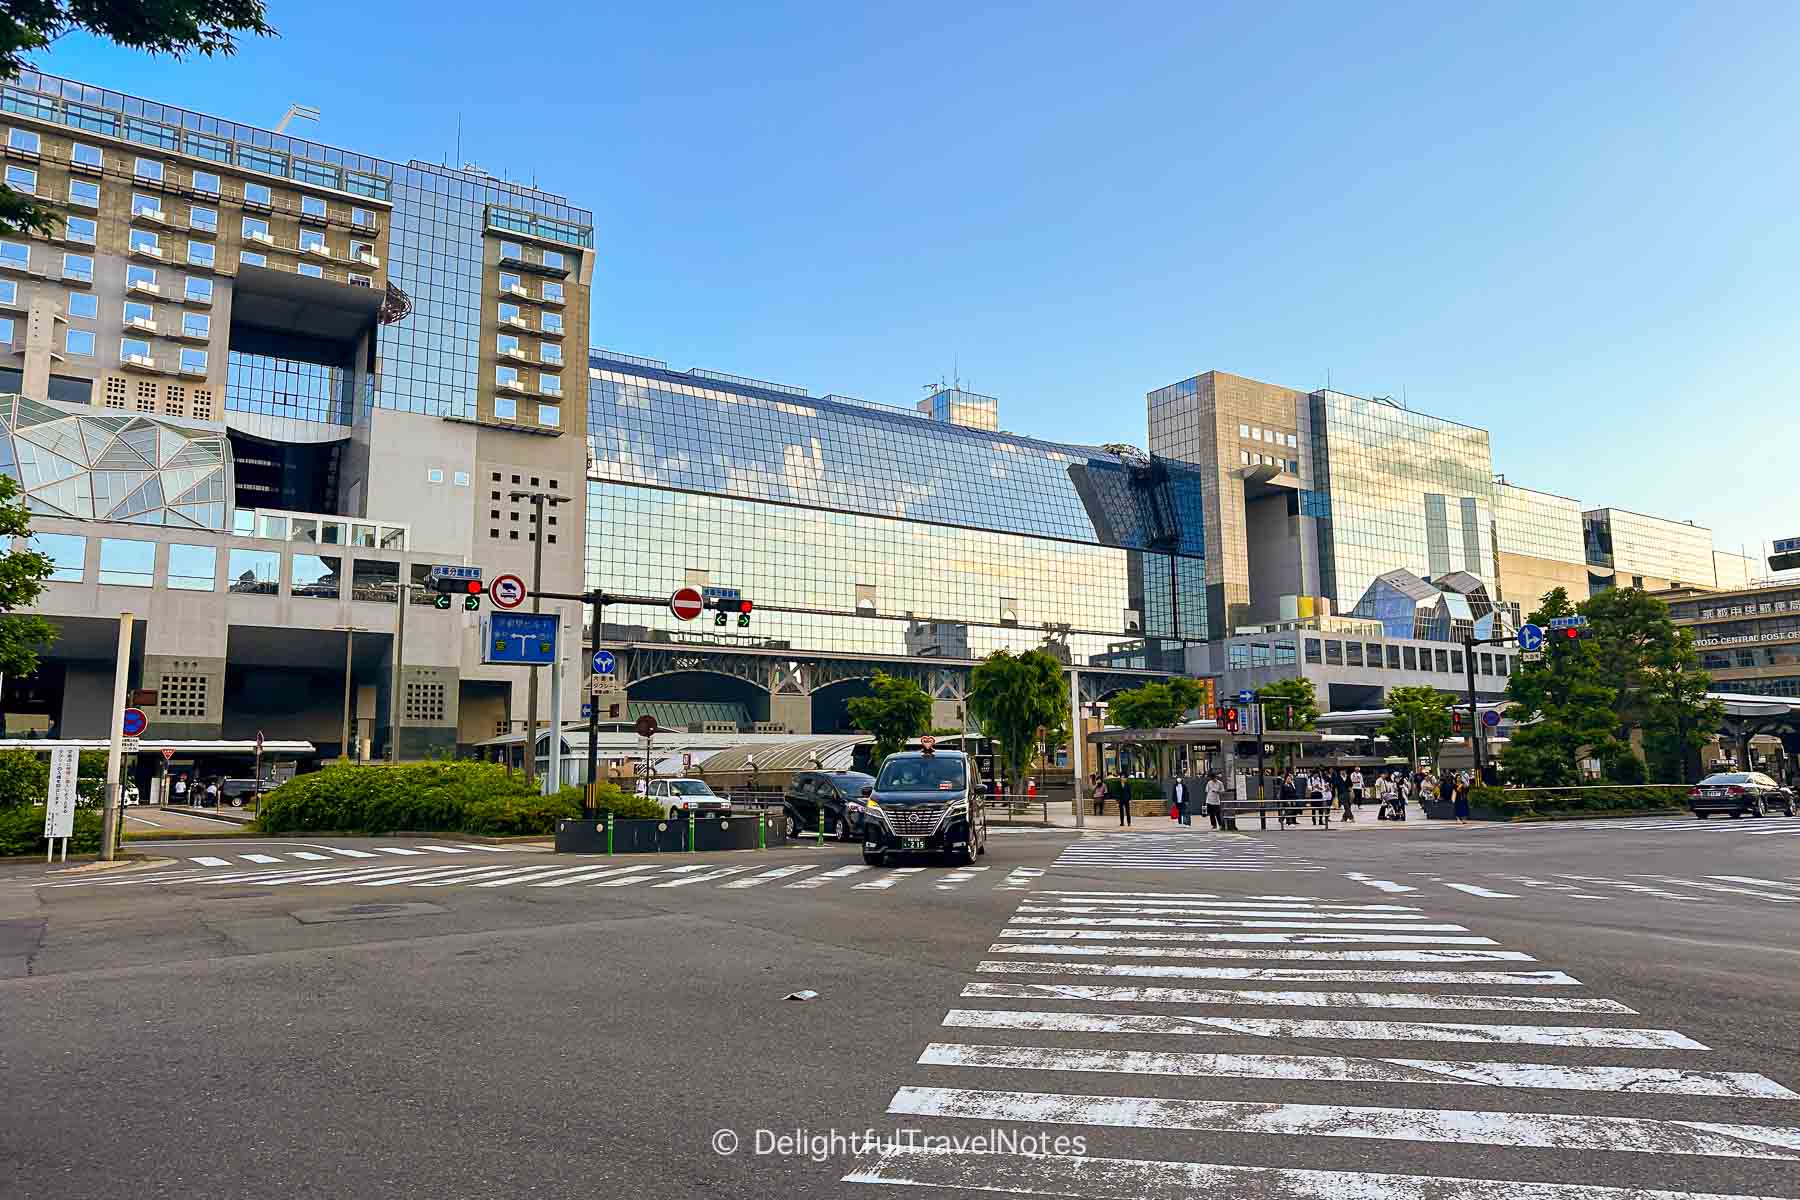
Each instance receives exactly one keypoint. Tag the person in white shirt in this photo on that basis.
(1215, 797)
(1356, 787)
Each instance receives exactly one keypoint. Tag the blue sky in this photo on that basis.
(1574, 228)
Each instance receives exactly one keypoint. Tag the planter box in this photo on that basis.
(734, 831)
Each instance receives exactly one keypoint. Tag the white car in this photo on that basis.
(682, 796)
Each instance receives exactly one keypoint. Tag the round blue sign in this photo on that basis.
(135, 722)
(604, 663)
(1531, 637)
(1491, 718)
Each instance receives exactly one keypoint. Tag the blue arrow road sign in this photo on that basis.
(587, 709)
(523, 639)
(604, 663)
(1531, 637)
(1246, 697)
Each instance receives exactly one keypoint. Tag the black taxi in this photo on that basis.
(924, 801)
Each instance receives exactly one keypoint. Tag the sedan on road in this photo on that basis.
(1739, 792)
(838, 794)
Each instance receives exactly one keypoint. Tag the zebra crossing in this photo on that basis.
(545, 873)
(329, 853)
(1449, 1044)
(1184, 851)
(1685, 823)
(1759, 889)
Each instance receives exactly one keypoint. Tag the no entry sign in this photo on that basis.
(507, 591)
(685, 603)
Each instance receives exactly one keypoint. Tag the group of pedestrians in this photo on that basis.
(1343, 790)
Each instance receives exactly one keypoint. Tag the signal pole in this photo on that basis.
(538, 500)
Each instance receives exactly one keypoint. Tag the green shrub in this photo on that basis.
(24, 778)
(428, 797)
(22, 830)
(506, 816)
(1517, 804)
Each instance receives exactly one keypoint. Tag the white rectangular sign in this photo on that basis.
(59, 806)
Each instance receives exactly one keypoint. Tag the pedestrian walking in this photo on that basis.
(1124, 803)
(1460, 799)
(181, 788)
(1215, 798)
(1349, 794)
(212, 793)
(1321, 799)
(1356, 786)
(1097, 788)
(1181, 802)
(1290, 799)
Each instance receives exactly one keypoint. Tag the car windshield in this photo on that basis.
(689, 787)
(921, 774)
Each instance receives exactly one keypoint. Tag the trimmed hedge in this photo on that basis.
(22, 830)
(1515, 804)
(1140, 789)
(433, 797)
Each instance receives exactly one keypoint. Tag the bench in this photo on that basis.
(1231, 810)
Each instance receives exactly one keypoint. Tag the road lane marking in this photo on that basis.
(1408, 956)
(349, 853)
(600, 873)
(489, 849)
(721, 873)
(1248, 923)
(1018, 879)
(827, 877)
(1484, 893)
(777, 873)
(1754, 882)
(397, 850)
(521, 874)
(1208, 900)
(412, 874)
(445, 849)
(1095, 1178)
(1586, 1037)
(1521, 1129)
(1283, 974)
(1424, 1001)
(259, 858)
(466, 874)
(310, 856)
(895, 876)
(1085, 904)
(1661, 1081)
(207, 860)
(1309, 938)
(1385, 885)
(1712, 887)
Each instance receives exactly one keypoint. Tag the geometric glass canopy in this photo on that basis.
(112, 467)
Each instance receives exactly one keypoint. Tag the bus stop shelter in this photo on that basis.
(1206, 747)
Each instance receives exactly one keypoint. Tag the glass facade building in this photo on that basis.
(1537, 524)
(874, 524)
(1748, 639)
(1397, 489)
(1631, 549)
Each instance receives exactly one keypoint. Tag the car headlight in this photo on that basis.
(956, 808)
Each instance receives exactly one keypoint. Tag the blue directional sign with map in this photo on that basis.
(519, 639)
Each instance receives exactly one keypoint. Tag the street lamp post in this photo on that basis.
(538, 501)
(350, 632)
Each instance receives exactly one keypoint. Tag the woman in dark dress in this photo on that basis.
(1459, 797)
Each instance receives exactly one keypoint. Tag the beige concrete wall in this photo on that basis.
(1524, 580)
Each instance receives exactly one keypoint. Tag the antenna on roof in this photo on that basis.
(305, 112)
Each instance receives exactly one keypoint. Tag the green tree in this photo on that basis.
(1678, 718)
(895, 710)
(1421, 712)
(174, 27)
(1563, 706)
(1288, 705)
(22, 575)
(1012, 696)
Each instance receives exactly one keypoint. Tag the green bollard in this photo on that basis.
(609, 825)
(821, 824)
(762, 825)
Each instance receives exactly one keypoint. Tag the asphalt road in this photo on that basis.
(1595, 1008)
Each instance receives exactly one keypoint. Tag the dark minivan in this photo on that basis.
(924, 801)
(837, 793)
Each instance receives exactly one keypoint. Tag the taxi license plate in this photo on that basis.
(912, 844)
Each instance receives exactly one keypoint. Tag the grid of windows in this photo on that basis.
(285, 387)
(1537, 524)
(1634, 544)
(809, 558)
(1397, 488)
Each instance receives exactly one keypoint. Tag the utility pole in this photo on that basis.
(350, 632)
(538, 500)
(1077, 751)
(113, 814)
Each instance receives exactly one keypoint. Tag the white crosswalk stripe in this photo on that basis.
(766, 876)
(896, 876)
(259, 858)
(1084, 1019)
(818, 881)
(309, 856)
(208, 860)
(1188, 850)
(589, 875)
